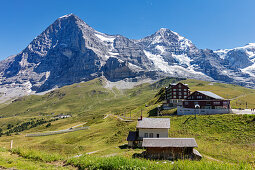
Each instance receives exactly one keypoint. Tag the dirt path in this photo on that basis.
(79, 125)
(72, 129)
(211, 158)
(89, 153)
(124, 119)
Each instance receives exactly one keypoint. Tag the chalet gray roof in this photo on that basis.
(153, 123)
(169, 142)
(210, 94)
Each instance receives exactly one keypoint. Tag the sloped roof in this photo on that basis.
(169, 142)
(174, 84)
(153, 123)
(132, 136)
(210, 94)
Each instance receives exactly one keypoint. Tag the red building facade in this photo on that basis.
(177, 92)
(205, 100)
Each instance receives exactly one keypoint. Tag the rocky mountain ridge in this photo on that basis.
(70, 51)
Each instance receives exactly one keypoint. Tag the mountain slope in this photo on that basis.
(242, 58)
(70, 51)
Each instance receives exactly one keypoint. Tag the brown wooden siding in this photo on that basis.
(169, 152)
(178, 91)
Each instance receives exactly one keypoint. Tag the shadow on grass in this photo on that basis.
(153, 112)
(139, 155)
(125, 146)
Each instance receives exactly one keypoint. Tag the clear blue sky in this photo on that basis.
(212, 24)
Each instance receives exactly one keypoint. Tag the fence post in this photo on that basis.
(11, 143)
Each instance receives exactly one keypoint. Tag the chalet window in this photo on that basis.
(185, 93)
(216, 103)
(146, 135)
(180, 85)
(186, 103)
(180, 89)
(174, 89)
(180, 97)
(199, 97)
(180, 93)
(151, 135)
(225, 103)
(218, 107)
(174, 97)
(174, 93)
(185, 89)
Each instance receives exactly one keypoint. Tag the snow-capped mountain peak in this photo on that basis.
(67, 15)
(70, 51)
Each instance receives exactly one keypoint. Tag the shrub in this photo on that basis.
(48, 125)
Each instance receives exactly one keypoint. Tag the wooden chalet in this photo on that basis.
(204, 102)
(148, 128)
(171, 148)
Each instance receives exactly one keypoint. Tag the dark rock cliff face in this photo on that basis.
(237, 60)
(114, 70)
(70, 51)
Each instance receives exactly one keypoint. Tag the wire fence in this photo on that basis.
(56, 132)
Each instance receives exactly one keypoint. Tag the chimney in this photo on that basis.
(141, 118)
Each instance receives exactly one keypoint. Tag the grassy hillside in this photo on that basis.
(225, 141)
(81, 99)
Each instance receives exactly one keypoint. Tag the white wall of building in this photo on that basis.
(189, 111)
(163, 133)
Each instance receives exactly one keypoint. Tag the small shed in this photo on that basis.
(171, 148)
(133, 139)
(148, 128)
(153, 127)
